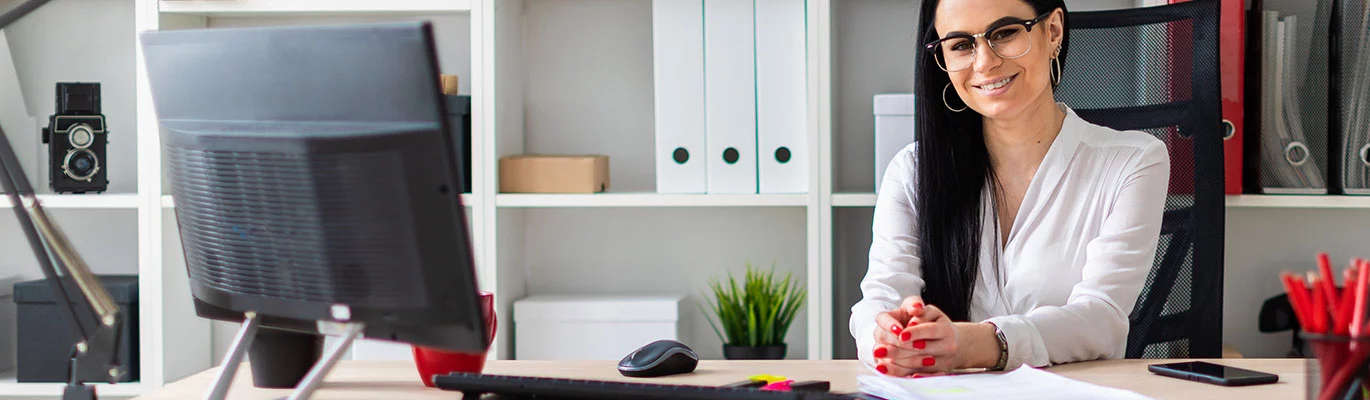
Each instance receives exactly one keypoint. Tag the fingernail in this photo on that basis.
(928, 362)
(894, 328)
(881, 352)
(920, 344)
(915, 376)
(913, 323)
(906, 336)
(882, 369)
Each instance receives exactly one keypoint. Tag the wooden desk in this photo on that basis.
(399, 379)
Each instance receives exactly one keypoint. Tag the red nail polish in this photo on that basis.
(905, 336)
(920, 344)
(928, 362)
(882, 369)
(913, 323)
(894, 328)
(881, 352)
(915, 376)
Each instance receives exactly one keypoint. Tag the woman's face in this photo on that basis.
(997, 86)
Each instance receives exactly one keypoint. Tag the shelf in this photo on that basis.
(520, 200)
(168, 202)
(10, 388)
(1237, 201)
(853, 199)
(82, 201)
(282, 7)
(1297, 201)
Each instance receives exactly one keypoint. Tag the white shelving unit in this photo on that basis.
(10, 388)
(545, 76)
(74, 201)
(647, 200)
(309, 7)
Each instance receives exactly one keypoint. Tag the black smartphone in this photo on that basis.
(1200, 371)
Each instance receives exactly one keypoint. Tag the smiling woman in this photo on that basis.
(1014, 232)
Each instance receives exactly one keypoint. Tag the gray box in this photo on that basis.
(8, 323)
(893, 129)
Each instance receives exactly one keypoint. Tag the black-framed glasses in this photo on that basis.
(1007, 39)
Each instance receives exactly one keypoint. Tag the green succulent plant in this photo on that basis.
(757, 311)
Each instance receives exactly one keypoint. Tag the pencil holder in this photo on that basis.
(1340, 369)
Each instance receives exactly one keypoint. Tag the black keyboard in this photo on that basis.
(473, 386)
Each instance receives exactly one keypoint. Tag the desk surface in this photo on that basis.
(399, 379)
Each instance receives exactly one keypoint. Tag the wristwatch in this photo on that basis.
(1003, 349)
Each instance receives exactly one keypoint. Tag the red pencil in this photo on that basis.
(1358, 314)
(1319, 306)
(1291, 288)
(1346, 309)
(1329, 286)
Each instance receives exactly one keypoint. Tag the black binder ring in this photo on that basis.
(1289, 154)
(1365, 155)
(1229, 130)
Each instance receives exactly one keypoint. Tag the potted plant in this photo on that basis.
(755, 314)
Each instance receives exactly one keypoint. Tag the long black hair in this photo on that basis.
(953, 169)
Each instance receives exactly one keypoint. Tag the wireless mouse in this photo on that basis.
(659, 358)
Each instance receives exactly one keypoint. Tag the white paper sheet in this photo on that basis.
(1022, 383)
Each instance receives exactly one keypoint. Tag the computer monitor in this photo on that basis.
(315, 180)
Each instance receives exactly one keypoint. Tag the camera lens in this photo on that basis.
(80, 165)
(80, 136)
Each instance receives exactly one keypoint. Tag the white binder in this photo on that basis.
(678, 66)
(730, 96)
(781, 100)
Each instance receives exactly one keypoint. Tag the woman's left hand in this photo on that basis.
(946, 346)
(937, 338)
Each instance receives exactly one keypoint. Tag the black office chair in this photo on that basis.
(1155, 69)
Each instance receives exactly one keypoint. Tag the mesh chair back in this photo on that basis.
(1155, 69)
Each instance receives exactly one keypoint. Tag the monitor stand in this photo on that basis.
(311, 382)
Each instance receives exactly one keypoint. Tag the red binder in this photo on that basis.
(1232, 60)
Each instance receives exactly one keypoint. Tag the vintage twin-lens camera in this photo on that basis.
(76, 139)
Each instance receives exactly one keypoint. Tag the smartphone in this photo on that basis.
(1200, 371)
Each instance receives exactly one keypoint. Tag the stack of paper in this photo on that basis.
(1022, 383)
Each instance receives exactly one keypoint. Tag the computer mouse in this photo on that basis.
(660, 358)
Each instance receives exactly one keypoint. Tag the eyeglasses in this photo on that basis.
(957, 51)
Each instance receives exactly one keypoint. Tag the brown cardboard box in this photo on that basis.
(533, 173)
(449, 84)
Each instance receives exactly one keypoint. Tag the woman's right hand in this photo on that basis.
(895, 354)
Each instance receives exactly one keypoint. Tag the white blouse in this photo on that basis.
(1076, 259)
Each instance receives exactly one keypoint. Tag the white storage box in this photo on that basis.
(8, 322)
(594, 327)
(893, 129)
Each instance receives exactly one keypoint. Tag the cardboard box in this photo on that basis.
(600, 327)
(533, 173)
(449, 84)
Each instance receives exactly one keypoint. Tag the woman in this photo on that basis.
(1012, 232)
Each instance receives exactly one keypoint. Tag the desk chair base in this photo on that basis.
(311, 382)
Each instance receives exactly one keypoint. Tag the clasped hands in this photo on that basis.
(918, 340)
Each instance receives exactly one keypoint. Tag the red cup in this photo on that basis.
(431, 361)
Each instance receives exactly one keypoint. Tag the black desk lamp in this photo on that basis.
(95, 350)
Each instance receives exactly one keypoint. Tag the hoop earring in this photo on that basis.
(1056, 71)
(944, 99)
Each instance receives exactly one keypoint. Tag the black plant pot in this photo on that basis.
(776, 352)
(280, 359)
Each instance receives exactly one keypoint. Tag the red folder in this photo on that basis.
(1232, 56)
(1232, 60)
